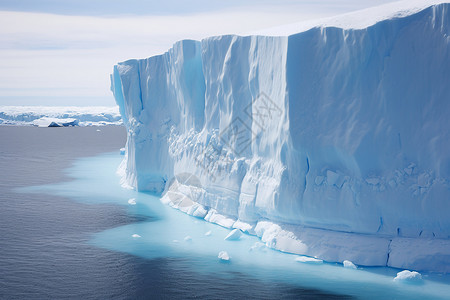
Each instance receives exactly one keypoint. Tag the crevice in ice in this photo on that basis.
(388, 253)
(381, 225)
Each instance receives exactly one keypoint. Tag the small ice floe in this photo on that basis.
(132, 201)
(223, 255)
(136, 236)
(208, 233)
(349, 265)
(408, 276)
(308, 260)
(98, 130)
(122, 151)
(234, 235)
(188, 238)
(258, 246)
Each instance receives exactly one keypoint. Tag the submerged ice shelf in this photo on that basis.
(331, 143)
(159, 233)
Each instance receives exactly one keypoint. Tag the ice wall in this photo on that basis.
(330, 133)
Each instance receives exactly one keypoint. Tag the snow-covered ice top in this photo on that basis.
(354, 20)
(43, 116)
(331, 142)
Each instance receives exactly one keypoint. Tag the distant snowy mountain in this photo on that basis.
(45, 116)
(331, 142)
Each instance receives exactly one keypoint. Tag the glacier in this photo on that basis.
(331, 142)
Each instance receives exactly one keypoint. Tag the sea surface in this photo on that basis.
(68, 231)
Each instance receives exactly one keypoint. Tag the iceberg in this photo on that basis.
(59, 116)
(331, 142)
(54, 122)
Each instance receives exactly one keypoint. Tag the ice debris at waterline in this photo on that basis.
(330, 143)
(308, 260)
(349, 265)
(234, 235)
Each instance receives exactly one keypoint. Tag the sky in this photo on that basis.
(61, 52)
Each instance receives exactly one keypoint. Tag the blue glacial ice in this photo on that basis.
(331, 143)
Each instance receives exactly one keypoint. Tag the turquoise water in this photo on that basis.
(178, 241)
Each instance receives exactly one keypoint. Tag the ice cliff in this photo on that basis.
(332, 142)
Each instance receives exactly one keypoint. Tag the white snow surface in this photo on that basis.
(330, 143)
(354, 20)
(43, 116)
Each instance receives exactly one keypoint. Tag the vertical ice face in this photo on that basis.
(333, 129)
(376, 129)
(154, 96)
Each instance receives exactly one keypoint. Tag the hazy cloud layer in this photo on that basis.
(55, 59)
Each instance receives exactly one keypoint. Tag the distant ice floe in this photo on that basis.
(132, 201)
(136, 236)
(59, 116)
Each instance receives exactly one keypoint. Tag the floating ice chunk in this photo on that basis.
(408, 276)
(208, 233)
(136, 236)
(308, 260)
(188, 238)
(348, 264)
(258, 246)
(223, 255)
(122, 151)
(234, 235)
(98, 130)
(132, 201)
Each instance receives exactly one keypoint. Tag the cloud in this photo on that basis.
(71, 57)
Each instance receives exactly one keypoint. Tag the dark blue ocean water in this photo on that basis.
(66, 231)
(44, 239)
